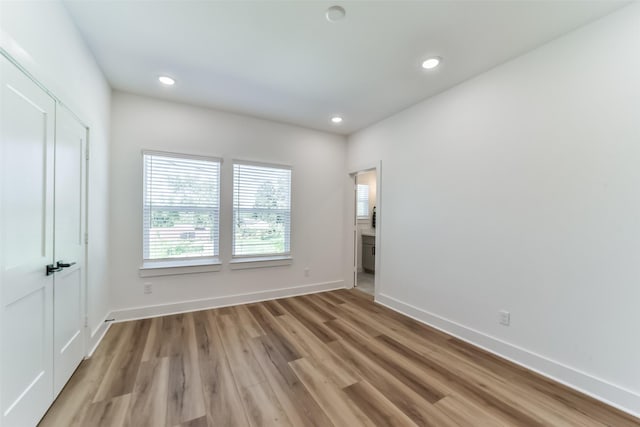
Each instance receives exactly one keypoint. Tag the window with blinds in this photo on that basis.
(181, 206)
(362, 201)
(261, 210)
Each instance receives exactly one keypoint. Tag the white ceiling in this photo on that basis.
(282, 60)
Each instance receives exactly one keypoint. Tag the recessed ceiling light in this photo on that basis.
(431, 63)
(335, 13)
(336, 120)
(166, 80)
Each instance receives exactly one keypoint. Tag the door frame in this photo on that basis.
(352, 246)
(85, 286)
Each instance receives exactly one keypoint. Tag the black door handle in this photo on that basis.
(52, 269)
(62, 264)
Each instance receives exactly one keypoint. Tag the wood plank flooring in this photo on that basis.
(328, 359)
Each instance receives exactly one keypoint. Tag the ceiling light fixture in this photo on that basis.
(335, 13)
(336, 120)
(166, 80)
(431, 63)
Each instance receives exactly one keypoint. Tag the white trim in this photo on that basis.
(175, 267)
(598, 388)
(378, 235)
(85, 168)
(352, 243)
(260, 262)
(97, 335)
(224, 301)
(178, 262)
(365, 169)
(262, 164)
(182, 155)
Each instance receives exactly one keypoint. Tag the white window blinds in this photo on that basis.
(181, 206)
(261, 210)
(362, 201)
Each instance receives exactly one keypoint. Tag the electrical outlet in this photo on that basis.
(504, 317)
(306, 272)
(148, 288)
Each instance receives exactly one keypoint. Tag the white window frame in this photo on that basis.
(171, 266)
(261, 260)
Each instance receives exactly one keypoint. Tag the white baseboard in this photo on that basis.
(224, 301)
(611, 394)
(97, 334)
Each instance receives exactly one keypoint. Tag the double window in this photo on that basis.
(181, 209)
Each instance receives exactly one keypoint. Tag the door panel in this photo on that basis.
(26, 366)
(26, 247)
(69, 246)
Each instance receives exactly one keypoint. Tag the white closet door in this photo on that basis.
(26, 248)
(68, 288)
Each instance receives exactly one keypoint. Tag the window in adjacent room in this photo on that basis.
(261, 210)
(181, 207)
(362, 201)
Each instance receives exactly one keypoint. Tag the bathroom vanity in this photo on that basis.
(368, 252)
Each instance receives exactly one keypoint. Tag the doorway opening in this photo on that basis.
(366, 222)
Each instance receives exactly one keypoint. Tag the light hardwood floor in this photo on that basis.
(334, 358)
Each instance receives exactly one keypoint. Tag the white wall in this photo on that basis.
(318, 160)
(44, 40)
(520, 190)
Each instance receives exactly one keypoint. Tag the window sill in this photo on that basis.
(174, 267)
(260, 262)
